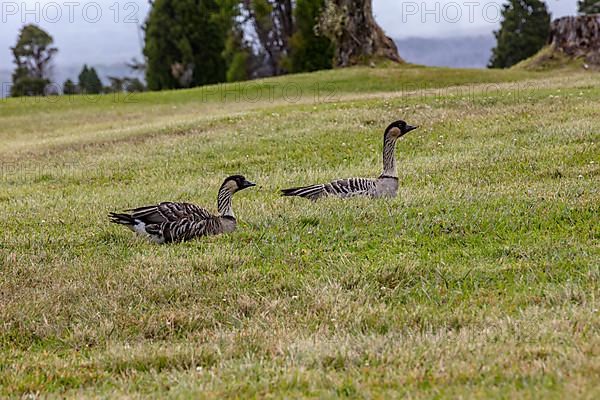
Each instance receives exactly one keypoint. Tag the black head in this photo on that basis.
(237, 182)
(399, 128)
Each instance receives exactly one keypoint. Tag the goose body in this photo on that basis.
(386, 185)
(179, 222)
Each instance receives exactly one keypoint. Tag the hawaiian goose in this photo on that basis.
(179, 222)
(384, 186)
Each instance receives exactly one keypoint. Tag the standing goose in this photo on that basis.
(179, 222)
(384, 186)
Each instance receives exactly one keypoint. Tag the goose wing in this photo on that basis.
(183, 229)
(339, 188)
(169, 212)
(351, 187)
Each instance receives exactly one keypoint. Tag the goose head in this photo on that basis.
(397, 129)
(235, 183)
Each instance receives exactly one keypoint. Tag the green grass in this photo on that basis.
(479, 280)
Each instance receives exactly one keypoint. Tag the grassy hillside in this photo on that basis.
(549, 58)
(479, 280)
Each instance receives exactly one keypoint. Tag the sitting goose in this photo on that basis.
(179, 222)
(384, 186)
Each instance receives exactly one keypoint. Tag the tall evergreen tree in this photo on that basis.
(83, 78)
(185, 40)
(310, 52)
(94, 82)
(89, 82)
(588, 6)
(523, 32)
(33, 56)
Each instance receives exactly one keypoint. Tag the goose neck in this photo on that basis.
(389, 156)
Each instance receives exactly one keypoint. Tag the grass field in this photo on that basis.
(481, 279)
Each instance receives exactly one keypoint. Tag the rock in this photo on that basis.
(577, 37)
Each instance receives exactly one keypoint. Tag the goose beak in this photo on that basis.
(410, 128)
(248, 184)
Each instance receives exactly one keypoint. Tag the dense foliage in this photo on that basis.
(195, 42)
(185, 40)
(523, 32)
(309, 51)
(588, 6)
(238, 55)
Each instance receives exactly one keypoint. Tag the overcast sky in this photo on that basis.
(108, 31)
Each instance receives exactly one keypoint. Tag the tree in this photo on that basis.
(33, 56)
(273, 24)
(133, 85)
(309, 51)
(89, 82)
(69, 87)
(184, 43)
(116, 85)
(588, 6)
(124, 84)
(523, 32)
(83, 78)
(238, 55)
(356, 35)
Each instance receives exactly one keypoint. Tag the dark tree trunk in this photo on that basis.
(358, 37)
(577, 36)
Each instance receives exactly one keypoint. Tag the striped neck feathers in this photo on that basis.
(224, 199)
(389, 156)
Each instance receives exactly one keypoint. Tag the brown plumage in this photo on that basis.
(178, 222)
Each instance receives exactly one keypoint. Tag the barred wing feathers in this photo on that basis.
(184, 229)
(339, 188)
(169, 212)
(312, 192)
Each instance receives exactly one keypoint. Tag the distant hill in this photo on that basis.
(459, 52)
(5, 79)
